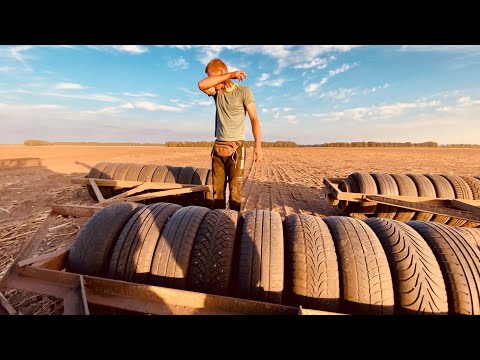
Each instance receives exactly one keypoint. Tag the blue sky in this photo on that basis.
(309, 94)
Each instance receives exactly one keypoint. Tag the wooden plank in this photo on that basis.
(76, 210)
(30, 248)
(135, 190)
(467, 205)
(52, 260)
(96, 190)
(7, 306)
(434, 209)
(75, 303)
(126, 183)
(157, 194)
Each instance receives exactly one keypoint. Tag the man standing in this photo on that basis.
(232, 102)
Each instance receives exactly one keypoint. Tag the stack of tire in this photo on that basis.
(422, 185)
(153, 173)
(337, 264)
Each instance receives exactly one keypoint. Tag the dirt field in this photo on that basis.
(287, 181)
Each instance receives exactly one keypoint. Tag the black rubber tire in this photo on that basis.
(425, 189)
(211, 264)
(462, 191)
(134, 171)
(200, 176)
(107, 191)
(133, 253)
(459, 261)
(362, 182)
(121, 171)
(311, 266)
(186, 175)
(147, 172)
(172, 254)
(160, 174)
(471, 235)
(172, 174)
(386, 185)
(261, 257)
(90, 253)
(474, 184)
(443, 189)
(96, 172)
(406, 187)
(417, 279)
(365, 281)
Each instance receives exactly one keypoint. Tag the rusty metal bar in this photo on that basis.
(76, 210)
(434, 209)
(97, 191)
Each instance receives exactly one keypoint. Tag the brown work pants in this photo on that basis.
(227, 170)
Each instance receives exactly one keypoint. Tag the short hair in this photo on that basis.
(215, 65)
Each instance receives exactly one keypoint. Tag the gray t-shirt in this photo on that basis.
(230, 114)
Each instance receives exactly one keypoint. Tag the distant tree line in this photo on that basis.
(363, 144)
(247, 144)
(461, 145)
(31, 142)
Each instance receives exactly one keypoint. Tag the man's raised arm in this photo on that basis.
(208, 84)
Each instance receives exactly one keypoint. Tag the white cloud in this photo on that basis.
(274, 83)
(151, 106)
(292, 119)
(313, 87)
(464, 100)
(68, 86)
(177, 64)
(96, 97)
(30, 106)
(139, 94)
(319, 63)
(287, 109)
(18, 53)
(375, 88)
(7, 68)
(263, 77)
(131, 49)
(442, 48)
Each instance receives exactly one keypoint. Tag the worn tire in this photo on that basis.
(386, 185)
(96, 172)
(260, 262)
(406, 187)
(108, 191)
(172, 174)
(186, 175)
(462, 191)
(121, 171)
(459, 261)
(471, 235)
(200, 176)
(133, 253)
(211, 264)
(365, 279)
(159, 174)
(362, 182)
(425, 189)
(474, 184)
(443, 189)
(147, 172)
(417, 280)
(90, 253)
(172, 254)
(134, 171)
(311, 267)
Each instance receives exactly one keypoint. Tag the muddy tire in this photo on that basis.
(172, 254)
(365, 279)
(200, 176)
(386, 185)
(260, 261)
(134, 171)
(459, 261)
(90, 253)
(211, 264)
(107, 191)
(95, 172)
(121, 171)
(133, 253)
(311, 267)
(186, 175)
(417, 279)
(462, 191)
(443, 189)
(425, 189)
(406, 187)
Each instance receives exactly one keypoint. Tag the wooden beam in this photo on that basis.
(76, 210)
(47, 260)
(137, 189)
(75, 303)
(96, 190)
(127, 183)
(467, 205)
(157, 194)
(7, 306)
(434, 209)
